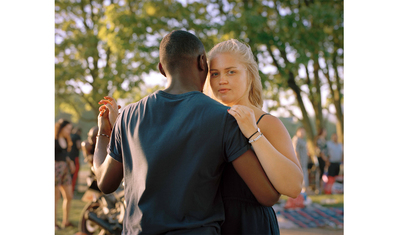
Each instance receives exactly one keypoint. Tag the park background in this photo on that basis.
(111, 48)
(370, 65)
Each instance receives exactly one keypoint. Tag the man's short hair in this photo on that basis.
(179, 47)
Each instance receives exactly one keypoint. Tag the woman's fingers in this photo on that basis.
(110, 99)
(238, 110)
(234, 113)
(110, 103)
(104, 102)
(245, 118)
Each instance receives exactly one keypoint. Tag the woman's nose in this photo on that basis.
(223, 79)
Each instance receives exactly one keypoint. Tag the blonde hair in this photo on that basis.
(246, 57)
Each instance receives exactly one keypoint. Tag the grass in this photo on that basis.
(75, 214)
(77, 205)
(327, 200)
(335, 200)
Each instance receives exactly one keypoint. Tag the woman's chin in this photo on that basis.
(226, 102)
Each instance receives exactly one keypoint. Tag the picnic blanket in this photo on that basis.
(311, 216)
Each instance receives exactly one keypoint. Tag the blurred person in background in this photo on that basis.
(64, 166)
(335, 155)
(234, 81)
(88, 145)
(322, 154)
(301, 150)
(74, 153)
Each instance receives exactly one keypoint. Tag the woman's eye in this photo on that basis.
(214, 74)
(231, 72)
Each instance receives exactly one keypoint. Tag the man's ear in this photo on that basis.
(202, 62)
(161, 69)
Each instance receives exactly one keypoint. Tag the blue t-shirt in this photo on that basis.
(174, 148)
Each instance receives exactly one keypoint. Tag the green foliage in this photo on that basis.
(106, 47)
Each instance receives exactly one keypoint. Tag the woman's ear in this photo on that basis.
(161, 69)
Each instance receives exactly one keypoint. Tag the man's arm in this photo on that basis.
(252, 173)
(109, 172)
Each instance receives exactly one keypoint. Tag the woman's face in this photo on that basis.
(228, 79)
(66, 131)
(324, 133)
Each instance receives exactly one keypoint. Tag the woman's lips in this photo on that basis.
(223, 90)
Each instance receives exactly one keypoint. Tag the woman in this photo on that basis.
(74, 154)
(322, 153)
(64, 166)
(234, 81)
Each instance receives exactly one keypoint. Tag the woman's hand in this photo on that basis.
(71, 166)
(245, 119)
(110, 104)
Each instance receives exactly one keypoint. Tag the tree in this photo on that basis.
(105, 47)
(87, 65)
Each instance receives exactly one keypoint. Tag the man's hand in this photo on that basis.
(103, 122)
(108, 171)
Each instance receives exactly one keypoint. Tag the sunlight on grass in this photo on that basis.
(328, 200)
(75, 214)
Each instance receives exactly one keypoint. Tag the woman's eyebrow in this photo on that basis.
(230, 67)
(224, 68)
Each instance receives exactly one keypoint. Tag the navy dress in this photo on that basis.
(243, 213)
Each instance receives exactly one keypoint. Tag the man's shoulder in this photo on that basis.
(133, 105)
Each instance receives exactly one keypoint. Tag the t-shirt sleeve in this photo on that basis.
(235, 143)
(114, 147)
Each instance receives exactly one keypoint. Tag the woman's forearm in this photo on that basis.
(283, 173)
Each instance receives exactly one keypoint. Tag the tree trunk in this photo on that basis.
(317, 103)
(305, 120)
(337, 99)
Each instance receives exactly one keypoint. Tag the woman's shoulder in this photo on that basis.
(270, 123)
(263, 117)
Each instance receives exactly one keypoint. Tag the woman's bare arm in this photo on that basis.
(274, 150)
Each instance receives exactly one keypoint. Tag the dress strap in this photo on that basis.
(262, 116)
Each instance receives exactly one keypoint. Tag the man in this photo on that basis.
(171, 148)
(300, 147)
(335, 155)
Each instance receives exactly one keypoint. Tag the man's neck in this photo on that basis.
(179, 85)
(176, 90)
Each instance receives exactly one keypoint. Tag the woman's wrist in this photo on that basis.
(255, 136)
(258, 130)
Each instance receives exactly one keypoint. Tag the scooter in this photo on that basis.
(104, 213)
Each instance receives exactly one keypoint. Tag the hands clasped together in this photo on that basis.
(108, 115)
